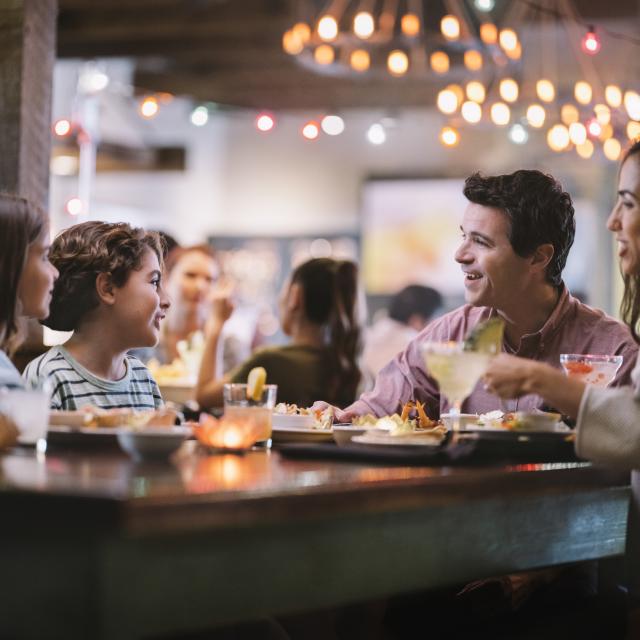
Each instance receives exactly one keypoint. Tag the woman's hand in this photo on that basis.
(511, 377)
(221, 306)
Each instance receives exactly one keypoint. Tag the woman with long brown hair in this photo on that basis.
(26, 275)
(318, 310)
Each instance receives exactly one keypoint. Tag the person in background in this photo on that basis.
(516, 234)
(109, 293)
(608, 420)
(318, 310)
(409, 312)
(26, 275)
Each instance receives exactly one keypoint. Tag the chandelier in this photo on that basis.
(475, 49)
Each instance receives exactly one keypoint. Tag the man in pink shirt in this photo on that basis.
(516, 234)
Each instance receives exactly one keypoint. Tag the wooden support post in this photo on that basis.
(27, 55)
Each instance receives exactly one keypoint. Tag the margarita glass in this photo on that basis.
(456, 371)
(598, 371)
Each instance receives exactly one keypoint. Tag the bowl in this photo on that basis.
(538, 421)
(596, 370)
(466, 419)
(342, 433)
(152, 444)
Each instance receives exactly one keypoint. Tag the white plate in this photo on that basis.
(301, 434)
(343, 433)
(292, 420)
(397, 441)
(465, 419)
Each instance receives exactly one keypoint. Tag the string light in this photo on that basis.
(508, 90)
(360, 60)
(327, 28)
(558, 137)
(473, 60)
(590, 42)
(603, 113)
(450, 27)
(74, 206)
(518, 134)
(585, 150)
(583, 92)
(332, 125)
(508, 39)
(475, 91)
(484, 5)
(439, 62)
(471, 112)
(324, 54)
(200, 116)
(376, 134)
(447, 101)
(500, 114)
(594, 128)
(633, 129)
(612, 149)
(569, 113)
(410, 25)
(632, 104)
(577, 133)
(302, 31)
(489, 33)
(545, 90)
(363, 25)
(613, 95)
(292, 43)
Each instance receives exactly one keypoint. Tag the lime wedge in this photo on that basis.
(486, 337)
(255, 383)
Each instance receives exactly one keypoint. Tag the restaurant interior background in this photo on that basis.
(163, 100)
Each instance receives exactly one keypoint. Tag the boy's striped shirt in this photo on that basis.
(73, 386)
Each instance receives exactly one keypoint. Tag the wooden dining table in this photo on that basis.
(96, 545)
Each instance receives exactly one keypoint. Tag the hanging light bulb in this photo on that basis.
(508, 90)
(324, 54)
(265, 122)
(410, 25)
(558, 137)
(508, 39)
(199, 116)
(397, 62)
(488, 33)
(376, 134)
(62, 127)
(518, 134)
(332, 125)
(500, 114)
(450, 27)
(594, 128)
(363, 25)
(632, 104)
(74, 206)
(612, 149)
(585, 150)
(515, 53)
(449, 136)
(360, 60)
(536, 115)
(291, 43)
(484, 5)
(545, 90)
(447, 101)
(583, 92)
(149, 107)
(473, 60)
(606, 131)
(603, 113)
(590, 42)
(302, 31)
(311, 130)
(577, 133)
(471, 111)
(475, 91)
(633, 129)
(327, 28)
(439, 62)
(569, 113)
(613, 95)
(458, 90)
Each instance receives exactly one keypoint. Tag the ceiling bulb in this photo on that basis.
(473, 60)
(585, 150)
(500, 114)
(545, 90)
(327, 28)
(633, 129)
(450, 27)
(569, 113)
(612, 149)
(558, 137)
(398, 62)
(439, 62)
(324, 54)
(475, 91)
(449, 137)
(508, 90)
(536, 115)
(410, 25)
(291, 43)
(508, 39)
(471, 112)
(447, 101)
(489, 33)
(583, 92)
(613, 95)
(363, 25)
(577, 133)
(360, 60)
(518, 134)
(632, 104)
(603, 113)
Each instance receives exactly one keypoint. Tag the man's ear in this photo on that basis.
(542, 256)
(294, 296)
(105, 288)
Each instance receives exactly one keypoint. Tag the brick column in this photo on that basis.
(27, 55)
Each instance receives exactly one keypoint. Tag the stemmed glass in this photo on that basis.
(595, 370)
(456, 371)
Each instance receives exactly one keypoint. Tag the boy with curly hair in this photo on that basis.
(109, 293)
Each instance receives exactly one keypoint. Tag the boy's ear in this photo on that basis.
(105, 288)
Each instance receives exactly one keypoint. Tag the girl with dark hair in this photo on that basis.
(26, 275)
(109, 293)
(318, 310)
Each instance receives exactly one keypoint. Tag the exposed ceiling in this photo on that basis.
(230, 51)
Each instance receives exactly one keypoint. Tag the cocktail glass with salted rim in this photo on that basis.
(456, 371)
(595, 370)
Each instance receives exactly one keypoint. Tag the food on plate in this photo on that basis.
(96, 417)
(321, 418)
(166, 374)
(255, 383)
(486, 337)
(397, 425)
(521, 420)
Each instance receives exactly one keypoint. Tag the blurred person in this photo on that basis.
(318, 311)
(26, 276)
(608, 420)
(109, 293)
(409, 312)
(516, 234)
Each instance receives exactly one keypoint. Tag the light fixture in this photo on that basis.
(149, 107)
(376, 134)
(590, 42)
(489, 33)
(518, 134)
(265, 122)
(324, 55)
(612, 149)
(500, 114)
(398, 62)
(200, 116)
(363, 25)
(508, 89)
(632, 104)
(633, 129)
(327, 28)
(484, 5)
(613, 95)
(332, 125)
(473, 60)
(558, 137)
(569, 113)
(577, 133)
(450, 27)
(475, 91)
(585, 150)
(360, 60)
(508, 39)
(74, 206)
(603, 113)
(410, 25)
(439, 62)
(449, 136)
(471, 112)
(62, 127)
(311, 130)
(545, 90)
(594, 128)
(447, 101)
(536, 115)
(583, 92)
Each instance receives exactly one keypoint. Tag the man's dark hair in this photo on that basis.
(414, 299)
(539, 212)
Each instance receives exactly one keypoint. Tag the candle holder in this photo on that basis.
(227, 434)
